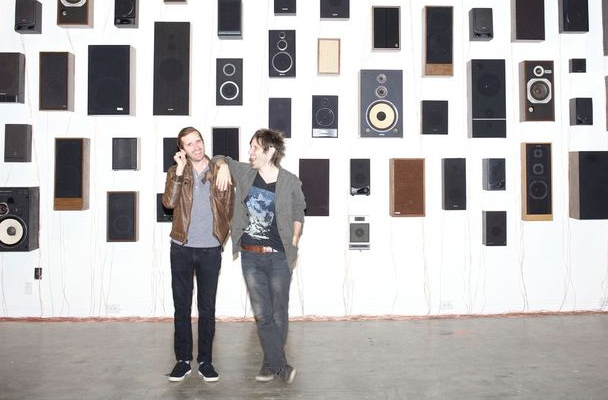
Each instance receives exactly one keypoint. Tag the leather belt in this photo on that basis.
(258, 249)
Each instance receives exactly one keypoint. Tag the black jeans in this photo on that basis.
(205, 263)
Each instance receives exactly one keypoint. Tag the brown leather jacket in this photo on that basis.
(178, 196)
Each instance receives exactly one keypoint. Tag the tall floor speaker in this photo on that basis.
(454, 183)
(281, 53)
(19, 218)
(75, 13)
(110, 82)
(17, 143)
(438, 55)
(71, 174)
(528, 20)
(226, 142)
(12, 78)
(381, 103)
(536, 199)
(407, 187)
(122, 217)
(487, 99)
(360, 179)
(494, 228)
(28, 16)
(171, 91)
(573, 15)
(56, 83)
(279, 115)
(314, 174)
(588, 191)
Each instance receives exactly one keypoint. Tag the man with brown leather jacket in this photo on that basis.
(201, 221)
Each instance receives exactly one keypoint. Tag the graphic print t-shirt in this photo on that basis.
(262, 229)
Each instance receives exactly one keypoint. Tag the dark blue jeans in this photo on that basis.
(268, 278)
(205, 263)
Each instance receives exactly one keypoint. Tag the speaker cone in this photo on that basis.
(539, 90)
(282, 62)
(538, 189)
(12, 231)
(229, 90)
(381, 116)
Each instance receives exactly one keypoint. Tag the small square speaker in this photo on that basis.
(17, 143)
(578, 65)
(125, 153)
(581, 111)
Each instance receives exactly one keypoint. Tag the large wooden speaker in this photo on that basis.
(407, 187)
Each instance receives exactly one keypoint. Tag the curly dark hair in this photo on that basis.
(268, 138)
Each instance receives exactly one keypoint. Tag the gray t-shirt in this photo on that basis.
(200, 231)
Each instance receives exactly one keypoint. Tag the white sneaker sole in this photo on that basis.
(264, 378)
(217, 378)
(179, 378)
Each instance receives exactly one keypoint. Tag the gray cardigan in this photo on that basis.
(289, 204)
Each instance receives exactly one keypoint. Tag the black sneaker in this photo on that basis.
(180, 371)
(287, 373)
(206, 370)
(265, 374)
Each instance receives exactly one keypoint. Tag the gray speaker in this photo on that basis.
(358, 233)
(381, 103)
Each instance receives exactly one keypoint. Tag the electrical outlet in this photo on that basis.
(446, 305)
(28, 287)
(113, 308)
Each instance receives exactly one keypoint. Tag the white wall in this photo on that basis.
(416, 266)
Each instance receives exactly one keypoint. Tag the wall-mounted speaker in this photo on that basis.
(434, 117)
(314, 174)
(487, 99)
(75, 13)
(281, 53)
(169, 150)
(381, 103)
(406, 187)
(454, 183)
(17, 143)
(581, 111)
(481, 26)
(493, 174)
(386, 28)
(171, 93)
(335, 9)
(494, 228)
(328, 56)
(358, 238)
(110, 81)
(438, 55)
(19, 218)
(588, 178)
(125, 13)
(71, 174)
(324, 116)
(285, 7)
(28, 16)
(573, 15)
(538, 91)
(125, 153)
(226, 142)
(163, 214)
(536, 182)
(122, 217)
(56, 90)
(528, 20)
(12, 78)
(229, 82)
(605, 26)
(577, 65)
(279, 115)
(229, 16)
(360, 178)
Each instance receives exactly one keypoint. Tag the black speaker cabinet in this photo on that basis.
(536, 182)
(229, 16)
(381, 103)
(537, 91)
(229, 82)
(386, 28)
(17, 143)
(528, 20)
(12, 78)
(125, 153)
(75, 13)
(434, 117)
(406, 176)
(481, 26)
(110, 81)
(28, 16)
(454, 183)
(588, 173)
(122, 217)
(285, 7)
(19, 218)
(314, 174)
(226, 142)
(487, 99)
(581, 111)
(324, 116)
(163, 214)
(71, 174)
(335, 9)
(493, 174)
(573, 16)
(360, 178)
(494, 228)
(438, 55)
(577, 65)
(358, 233)
(169, 150)
(279, 115)
(125, 13)
(171, 93)
(281, 53)
(56, 90)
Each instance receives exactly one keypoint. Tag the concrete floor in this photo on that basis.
(533, 357)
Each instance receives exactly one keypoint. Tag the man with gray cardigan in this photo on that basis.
(266, 228)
